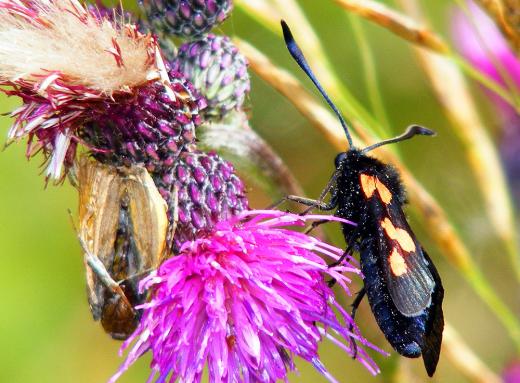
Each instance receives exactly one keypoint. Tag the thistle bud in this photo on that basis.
(209, 191)
(217, 70)
(186, 18)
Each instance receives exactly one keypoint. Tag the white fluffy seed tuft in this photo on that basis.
(60, 36)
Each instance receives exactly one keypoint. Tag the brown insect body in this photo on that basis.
(123, 227)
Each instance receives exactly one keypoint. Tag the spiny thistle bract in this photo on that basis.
(209, 191)
(217, 70)
(74, 68)
(149, 127)
(186, 18)
(244, 299)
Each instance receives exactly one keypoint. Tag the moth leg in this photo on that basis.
(355, 305)
(136, 275)
(174, 211)
(319, 202)
(312, 203)
(345, 254)
(314, 225)
(99, 268)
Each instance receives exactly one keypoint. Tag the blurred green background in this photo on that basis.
(46, 330)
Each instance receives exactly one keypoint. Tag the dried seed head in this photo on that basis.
(217, 70)
(70, 64)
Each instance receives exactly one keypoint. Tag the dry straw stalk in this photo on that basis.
(506, 14)
(396, 22)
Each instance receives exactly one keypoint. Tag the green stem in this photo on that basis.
(484, 290)
(485, 81)
(370, 73)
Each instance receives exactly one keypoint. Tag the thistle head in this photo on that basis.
(217, 70)
(71, 65)
(186, 18)
(243, 299)
(208, 191)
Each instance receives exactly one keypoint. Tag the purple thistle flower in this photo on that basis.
(105, 85)
(245, 299)
(481, 42)
(511, 373)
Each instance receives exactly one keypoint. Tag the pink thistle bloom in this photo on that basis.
(511, 373)
(245, 299)
(481, 42)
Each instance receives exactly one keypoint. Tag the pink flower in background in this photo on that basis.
(511, 373)
(244, 299)
(480, 41)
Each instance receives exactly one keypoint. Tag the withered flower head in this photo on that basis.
(83, 76)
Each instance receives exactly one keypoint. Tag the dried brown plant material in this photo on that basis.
(464, 358)
(396, 22)
(506, 14)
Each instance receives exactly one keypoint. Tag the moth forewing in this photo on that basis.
(148, 212)
(99, 203)
(123, 226)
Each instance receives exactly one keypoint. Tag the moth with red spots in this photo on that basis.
(402, 284)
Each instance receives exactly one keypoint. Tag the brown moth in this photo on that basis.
(124, 232)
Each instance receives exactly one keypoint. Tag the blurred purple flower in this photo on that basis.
(245, 299)
(480, 41)
(511, 373)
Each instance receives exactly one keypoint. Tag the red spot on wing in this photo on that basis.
(401, 236)
(397, 263)
(369, 184)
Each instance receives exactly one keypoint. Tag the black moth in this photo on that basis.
(402, 284)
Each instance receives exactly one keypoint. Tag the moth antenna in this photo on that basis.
(298, 56)
(411, 131)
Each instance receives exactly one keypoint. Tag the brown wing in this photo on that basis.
(101, 190)
(148, 215)
(99, 202)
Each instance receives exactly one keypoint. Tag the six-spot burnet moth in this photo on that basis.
(402, 284)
